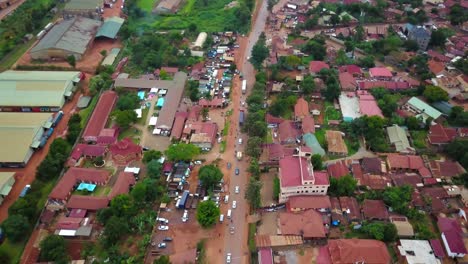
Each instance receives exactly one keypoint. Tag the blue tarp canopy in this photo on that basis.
(86, 186)
(160, 102)
(141, 95)
(312, 142)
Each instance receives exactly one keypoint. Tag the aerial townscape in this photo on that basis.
(233, 131)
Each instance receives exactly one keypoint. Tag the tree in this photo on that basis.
(335, 19)
(435, 94)
(128, 101)
(162, 260)
(344, 186)
(71, 60)
(205, 113)
(346, 19)
(254, 168)
(4, 257)
(367, 61)
(252, 193)
(23, 207)
(115, 228)
(458, 150)
(207, 213)
(342, 58)
(308, 85)
(317, 162)
(438, 38)
(122, 206)
(210, 175)
(411, 45)
(16, 227)
(333, 90)
(381, 231)
(457, 15)
(259, 52)
(254, 147)
(292, 61)
(182, 151)
(154, 169)
(54, 248)
(316, 49)
(458, 116)
(151, 155)
(276, 188)
(125, 118)
(413, 123)
(398, 198)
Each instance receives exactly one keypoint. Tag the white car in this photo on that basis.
(234, 204)
(163, 228)
(228, 258)
(237, 189)
(162, 220)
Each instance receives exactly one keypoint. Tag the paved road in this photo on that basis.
(236, 243)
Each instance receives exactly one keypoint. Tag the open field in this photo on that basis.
(146, 5)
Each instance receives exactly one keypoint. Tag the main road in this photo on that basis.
(236, 243)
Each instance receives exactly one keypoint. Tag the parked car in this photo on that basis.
(231, 230)
(162, 220)
(162, 245)
(237, 189)
(237, 171)
(229, 165)
(145, 149)
(167, 239)
(234, 204)
(163, 228)
(228, 258)
(198, 162)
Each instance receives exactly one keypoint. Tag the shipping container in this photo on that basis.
(57, 118)
(183, 200)
(241, 118)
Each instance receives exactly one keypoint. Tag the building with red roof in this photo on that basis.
(350, 208)
(101, 113)
(380, 73)
(125, 151)
(265, 256)
(368, 105)
(374, 210)
(436, 67)
(308, 125)
(452, 237)
(178, 126)
(205, 137)
(301, 109)
(316, 66)
(75, 176)
(288, 132)
(308, 224)
(305, 202)
(389, 85)
(439, 135)
(87, 151)
(445, 169)
(123, 184)
(338, 169)
(347, 81)
(297, 177)
(407, 163)
(373, 166)
(351, 251)
(108, 136)
(437, 248)
(412, 179)
(273, 121)
(213, 103)
(352, 69)
(91, 203)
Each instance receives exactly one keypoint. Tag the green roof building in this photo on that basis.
(71, 37)
(110, 28)
(311, 141)
(36, 91)
(20, 134)
(422, 109)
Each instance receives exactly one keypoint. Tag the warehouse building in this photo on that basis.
(110, 27)
(84, 8)
(71, 37)
(20, 135)
(7, 180)
(36, 91)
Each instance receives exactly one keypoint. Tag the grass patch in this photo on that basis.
(331, 113)
(222, 147)
(85, 113)
(252, 231)
(14, 56)
(132, 133)
(144, 116)
(13, 250)
(306, 60)
(320, 135)
(419, 139)
(269, 137)
(393, 254)
(353, 146)
(201, 248)
(146, 5)
(226, 128)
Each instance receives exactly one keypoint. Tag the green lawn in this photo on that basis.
(306, 60)
(144, 116)
(14, 250)
(252, 231)
(331, 113)
(132, 133)
(419, 139)
(84, 113)
(269, 137)
(320, 135)
(146, 5)
(226, 128)
(353, 146)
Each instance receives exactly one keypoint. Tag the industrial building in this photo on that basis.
(110, 27)
(36, 91)
(7, 180)
(71, 37)
(84, 8)
(20, 135)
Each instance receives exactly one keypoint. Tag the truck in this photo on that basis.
(189, 202)
(49, 132)
(244, 86)
(241, 117)
(239, 155)
(183, 200)
(57, 118)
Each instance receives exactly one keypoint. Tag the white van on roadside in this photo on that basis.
(226, 199)
(229, 214)
(221, 218)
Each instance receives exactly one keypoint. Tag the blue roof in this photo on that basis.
(110, 27)
(312, 142)
(160, 102)
(444, 107)
(141, 95)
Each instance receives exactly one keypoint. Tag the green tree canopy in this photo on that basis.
(128, 101)
(259, 52)
(344, 186)
(125, 118)
(435, 94)
(252, 193)
(209, 176)
(207, 213)
(162, 260)
(254, 147)
(122, 206)
(458, 14)
(381, 231)
(54, 248)
(317, 162)
(16, 227)
(154, 169)
(308, 84)
(398, 198)
(151, 155)
(182, 151)
(115, 228)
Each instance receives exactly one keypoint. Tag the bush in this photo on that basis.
(16, 227)
(276, 188)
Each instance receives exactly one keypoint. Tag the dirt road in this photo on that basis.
(5, 12)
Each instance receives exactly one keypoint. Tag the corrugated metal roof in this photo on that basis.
(424, 107)
(111, 27)
(72, 35)
(83, 4)
(398, 137)
(17, 133)
(35, 88)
